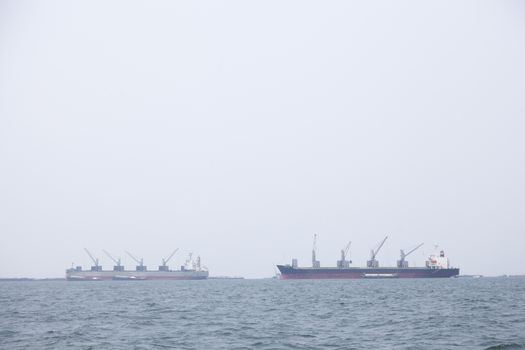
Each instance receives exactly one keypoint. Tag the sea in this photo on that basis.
(456, 313)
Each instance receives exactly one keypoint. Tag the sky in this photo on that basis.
(237, 130)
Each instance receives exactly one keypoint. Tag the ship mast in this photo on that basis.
(315, 262)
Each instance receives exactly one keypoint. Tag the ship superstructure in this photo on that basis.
(436, 266)
(191, 270)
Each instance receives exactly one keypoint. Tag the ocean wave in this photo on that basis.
(509, 346)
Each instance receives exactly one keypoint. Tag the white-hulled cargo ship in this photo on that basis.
(191, 270)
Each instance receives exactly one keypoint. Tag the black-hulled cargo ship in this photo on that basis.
(437, 266)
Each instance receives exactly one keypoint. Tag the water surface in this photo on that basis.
(264, 314)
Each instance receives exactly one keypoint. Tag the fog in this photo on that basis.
(237, 130)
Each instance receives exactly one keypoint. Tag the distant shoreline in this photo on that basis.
(29, 279)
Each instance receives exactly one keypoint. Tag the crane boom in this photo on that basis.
(413, 250)
(165, 261)
(344, 263)
(95, 261)
(347, 248)
(402, 263)
(112, 258)
(132, 257)
(374, 253)
(187, 262)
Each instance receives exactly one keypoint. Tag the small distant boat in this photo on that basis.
(468, 276)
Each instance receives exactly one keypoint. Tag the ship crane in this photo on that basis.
(140, 266)
(187, 263)
(373, 254)
(315, 263)
(401, 263)
(344, 253)
(164, 266)
(118, 266)
(96, 267)
(197, 264)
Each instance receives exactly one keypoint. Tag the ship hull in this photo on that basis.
(135, 275)
(289, 272)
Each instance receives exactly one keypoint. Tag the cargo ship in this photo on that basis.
(191, 270)
(436, 266)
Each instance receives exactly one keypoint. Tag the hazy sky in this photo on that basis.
(238, 129)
